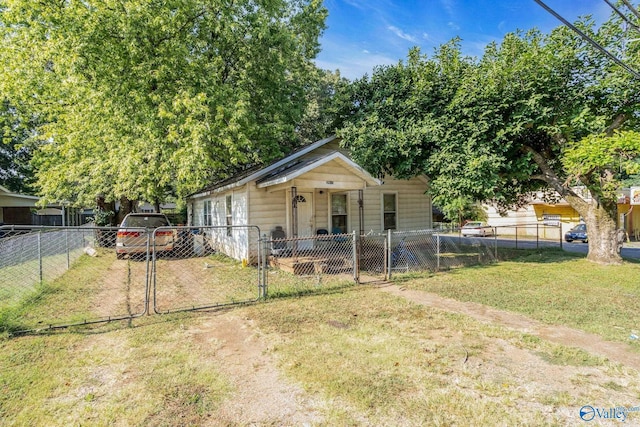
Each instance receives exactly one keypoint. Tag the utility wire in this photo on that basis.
(627, 20)
(589, 39)
(631, 8)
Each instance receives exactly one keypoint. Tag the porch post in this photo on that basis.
(294, 219)
(294, 212)
(361, 211)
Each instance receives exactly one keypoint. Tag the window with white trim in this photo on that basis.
(338, 213)
(390, 211)
(229, 214)
(207, 219)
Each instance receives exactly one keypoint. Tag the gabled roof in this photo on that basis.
(258, 172)
(295, 168)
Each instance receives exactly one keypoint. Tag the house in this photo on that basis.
(316, 189)
(22, 209)
(16, 208)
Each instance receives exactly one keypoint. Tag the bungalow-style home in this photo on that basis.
(317, 189)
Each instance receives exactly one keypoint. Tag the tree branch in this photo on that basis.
(552, 179)
(617, 122)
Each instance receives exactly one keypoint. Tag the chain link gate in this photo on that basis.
(207, 267)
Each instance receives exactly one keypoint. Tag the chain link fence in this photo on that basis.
(63, 276)
(304, 264)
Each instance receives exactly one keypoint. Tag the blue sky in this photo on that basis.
(361, 34)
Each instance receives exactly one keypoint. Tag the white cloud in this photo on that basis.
(398, 32)
(449, 6)
(453, 26)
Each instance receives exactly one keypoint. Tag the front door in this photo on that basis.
(305, 219)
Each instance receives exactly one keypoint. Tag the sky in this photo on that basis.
(362, 34)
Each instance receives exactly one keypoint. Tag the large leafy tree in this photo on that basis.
(139, 99)
(535, 112)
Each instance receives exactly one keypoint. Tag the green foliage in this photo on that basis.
(461, 208)
(140, 99)
(102, 218)
(15, 172)
(473, 126)
(600, 156)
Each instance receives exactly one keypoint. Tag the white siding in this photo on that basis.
(266, 208)
(414, 206)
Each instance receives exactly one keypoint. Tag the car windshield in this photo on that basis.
(581, 227)
(473, 224)
(146, 221)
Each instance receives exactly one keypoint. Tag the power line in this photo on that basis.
(622, 15)
(589, 39)
(631, 8)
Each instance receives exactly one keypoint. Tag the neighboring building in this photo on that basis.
(332, 193)
(22, 209)
(16, 208)
(542, 211)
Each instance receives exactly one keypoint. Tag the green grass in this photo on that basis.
(142, 376)
(368, 357)
(394, 363)
(66, 299)
(552, 286)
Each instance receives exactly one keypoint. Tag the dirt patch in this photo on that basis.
(616, 352)
(262, 396)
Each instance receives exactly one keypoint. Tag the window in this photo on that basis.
(338, 213)
(389, 211)
(207, 220)
(229, 215)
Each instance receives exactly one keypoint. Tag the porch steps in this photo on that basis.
(307, 266)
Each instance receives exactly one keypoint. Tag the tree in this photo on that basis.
(326, 95)
(522, 118)
(15, 154)
(139, 99)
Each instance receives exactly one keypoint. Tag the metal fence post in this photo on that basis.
(537, 236)
(40, 272)
(560, 233)
(264, 266)
(388, 254)
(437, 252)
(516, 237)
(356, 268)
(66, 238)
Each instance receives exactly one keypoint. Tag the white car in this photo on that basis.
(476, 228)
(136, 231)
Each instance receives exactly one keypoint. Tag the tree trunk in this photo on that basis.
(605, 240)
(126, 206)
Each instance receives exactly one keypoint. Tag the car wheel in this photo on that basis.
(119, 256)
(585, 241)
(569, 240)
